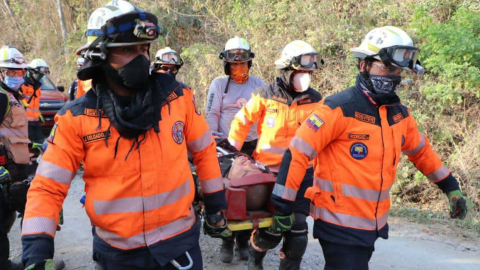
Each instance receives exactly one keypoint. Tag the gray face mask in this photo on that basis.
(385, 84)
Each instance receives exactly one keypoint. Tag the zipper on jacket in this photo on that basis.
(381, 174)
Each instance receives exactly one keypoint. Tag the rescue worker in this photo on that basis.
(32, 90)
(355, 139)
(14, 155)
(142, 210)
(167, 60)
(226, 96)
(280, 108)
(79, 87)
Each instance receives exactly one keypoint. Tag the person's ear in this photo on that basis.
(362, 66)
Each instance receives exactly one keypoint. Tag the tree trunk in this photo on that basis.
(64, 30)
(88, 9)
(12, 16)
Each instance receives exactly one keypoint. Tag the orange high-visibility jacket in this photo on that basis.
(133, 201)
(83, 87)
(356, 149)
(33, 101)
(278, 116)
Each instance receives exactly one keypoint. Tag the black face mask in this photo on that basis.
(133, 75)
(385, 84)
(382, 89)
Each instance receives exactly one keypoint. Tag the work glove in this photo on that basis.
(47, 265)
(40, 147)
(216, 226)
(217, 135)
(4, 175)
(41, 118)
(281, 223)
(458, 204)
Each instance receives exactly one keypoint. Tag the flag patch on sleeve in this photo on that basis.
(314, 122)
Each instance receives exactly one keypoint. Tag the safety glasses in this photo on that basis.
(400, 56)
(14, 72)
(306, 61)
(237, 55)
(170, 58)
(391, 70)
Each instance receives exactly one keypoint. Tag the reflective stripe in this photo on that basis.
(365, 194)
(55, 172)
(439, 174)
(284, 192)
(33, 118)
(303, 147)
(200, 143)
(140, 204)
(39, 225)
(273, 149)
(163, 232)
(32, 110)
(235, 144)
(417, 148)
(324, 184)
(212, 185)
(346, 220)
(242, 118)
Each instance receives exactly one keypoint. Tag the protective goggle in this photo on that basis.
(42, 70)
(306, 61)
(237, 55)
(400, 56)
(14, 72)
(170, 58)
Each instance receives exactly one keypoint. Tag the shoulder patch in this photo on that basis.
(96, 136)
(314, 122)
(241, 102)
(272, 110)
(279, 99)
(177, 132)
(398, 117)
(51, 137)
(365, 118)
(305, 101)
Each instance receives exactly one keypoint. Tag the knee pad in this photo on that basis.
(263, 240)
(295, 244)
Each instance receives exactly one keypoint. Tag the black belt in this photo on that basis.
(249, 145)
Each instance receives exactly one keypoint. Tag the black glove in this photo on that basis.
(211, 229)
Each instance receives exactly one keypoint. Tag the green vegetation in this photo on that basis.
(445, 101)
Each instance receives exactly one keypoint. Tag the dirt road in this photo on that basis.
(411, 246)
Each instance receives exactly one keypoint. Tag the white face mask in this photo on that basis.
(301, 81)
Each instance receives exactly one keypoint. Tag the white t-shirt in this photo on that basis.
(222, 107)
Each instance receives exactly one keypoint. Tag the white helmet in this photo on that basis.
(168, 56)
(127, 25)
(40, 66)
(391, 45)
(10, 57)
(236, 49)
(298, 55)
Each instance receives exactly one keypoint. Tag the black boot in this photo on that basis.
(242, 246)
(226, 250)
(289, 264)
(255, 258)
(14, 265)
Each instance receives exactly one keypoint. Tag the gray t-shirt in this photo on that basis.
(221, 107)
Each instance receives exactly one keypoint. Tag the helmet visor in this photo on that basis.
(401, 56)
(237, 55)
(305, 61)
(169, 58)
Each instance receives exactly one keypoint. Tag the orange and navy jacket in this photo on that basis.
(278, 115)
(356, 149)
(33, 93)
(141, 200)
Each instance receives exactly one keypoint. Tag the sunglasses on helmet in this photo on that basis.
(400, 56)
(306, 61)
